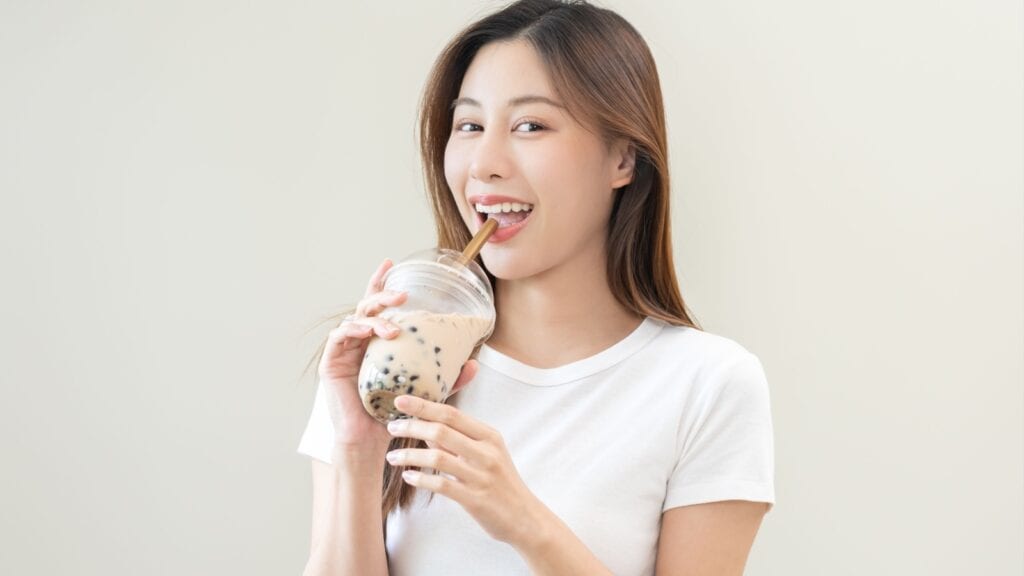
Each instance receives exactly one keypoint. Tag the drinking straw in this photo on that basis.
(478, 241)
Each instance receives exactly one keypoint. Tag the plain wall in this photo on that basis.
(188, 187)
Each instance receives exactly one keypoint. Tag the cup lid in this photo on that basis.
(470, 272)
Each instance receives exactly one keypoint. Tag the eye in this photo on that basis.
(528, 126)
(467, 127)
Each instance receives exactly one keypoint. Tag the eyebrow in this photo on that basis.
(517, 101)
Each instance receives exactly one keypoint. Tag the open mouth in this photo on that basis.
(510, 216)
(506, 215)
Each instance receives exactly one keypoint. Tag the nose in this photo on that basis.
(491, 159)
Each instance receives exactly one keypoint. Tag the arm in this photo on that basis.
(487, 485)
(348, 531)
(719, 492)
(348, 524)
(553, 549)
(712, 539)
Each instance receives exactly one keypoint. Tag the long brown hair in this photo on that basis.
(604, 72)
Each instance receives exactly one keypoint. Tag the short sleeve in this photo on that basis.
(727, 449)
(318, 437)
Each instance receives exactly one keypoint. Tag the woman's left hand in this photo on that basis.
(483, 479)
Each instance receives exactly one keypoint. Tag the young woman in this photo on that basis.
(599, 430)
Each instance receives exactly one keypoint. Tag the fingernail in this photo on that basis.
(396, 426)
(392, 456)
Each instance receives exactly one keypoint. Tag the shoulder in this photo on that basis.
(695, 346)
(710, 362)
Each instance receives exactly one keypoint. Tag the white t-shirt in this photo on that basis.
(668, 416)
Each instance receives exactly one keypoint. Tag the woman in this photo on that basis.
(603, 432)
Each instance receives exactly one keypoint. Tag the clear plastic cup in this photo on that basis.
(448, 313)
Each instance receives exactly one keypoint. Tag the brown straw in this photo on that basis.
(478, 241)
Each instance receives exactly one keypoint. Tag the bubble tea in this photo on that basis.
(448, 313)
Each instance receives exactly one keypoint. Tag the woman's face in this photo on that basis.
(513, 142)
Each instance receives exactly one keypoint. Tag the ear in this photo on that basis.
(624, 161)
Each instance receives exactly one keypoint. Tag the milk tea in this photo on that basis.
(423, 360)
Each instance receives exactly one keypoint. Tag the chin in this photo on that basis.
(509, 266)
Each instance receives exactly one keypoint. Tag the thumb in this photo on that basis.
(469, 370)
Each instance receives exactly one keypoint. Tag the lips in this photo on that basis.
(504, 232)
(505, 229)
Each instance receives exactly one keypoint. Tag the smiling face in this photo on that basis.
(513, 142)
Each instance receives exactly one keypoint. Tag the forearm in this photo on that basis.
(349, 540)
(552, 549)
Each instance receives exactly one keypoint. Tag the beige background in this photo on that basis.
(188, 186)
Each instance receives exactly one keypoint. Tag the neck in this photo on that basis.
(561, 315)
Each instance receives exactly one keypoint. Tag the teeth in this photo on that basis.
(504, 207)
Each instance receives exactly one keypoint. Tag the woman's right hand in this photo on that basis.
(342, 359)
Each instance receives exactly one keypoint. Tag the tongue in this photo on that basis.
(508, 218)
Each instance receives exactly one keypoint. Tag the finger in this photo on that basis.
(445, 414)
(341, 342)
(373, 304)
(348, 336)
(437, 483)
(441, 435)
(377, 280)
(437, 460)
(359, 329)
(382, 327)
(434, 446)
(469, 370)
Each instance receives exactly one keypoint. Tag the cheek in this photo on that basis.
(455, 171)
(574, 176)
(585, 200)
(454, 168)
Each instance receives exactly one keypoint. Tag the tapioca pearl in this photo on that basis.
(414, 377)
(389, 357)
(386, 371)
(437, 349)
(438, 362)
(413, 329)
